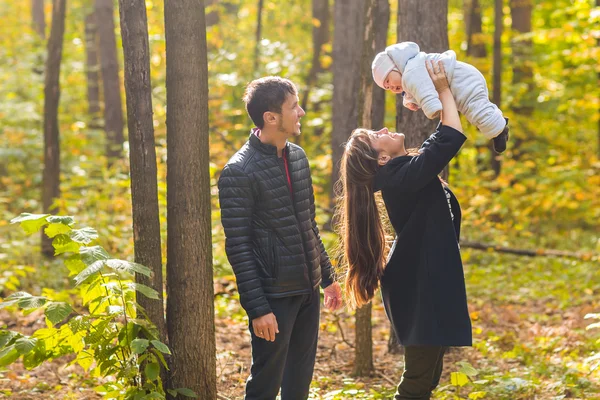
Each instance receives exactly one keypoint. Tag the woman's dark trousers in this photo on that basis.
(422, 371)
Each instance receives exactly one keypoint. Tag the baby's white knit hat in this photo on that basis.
(382, 65)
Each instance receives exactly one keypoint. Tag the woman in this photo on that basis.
(422, 284)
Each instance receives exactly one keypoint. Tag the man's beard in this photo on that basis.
(282, 130)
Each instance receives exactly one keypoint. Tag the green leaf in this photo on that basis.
(56, 229)
(152, 370)
(30, 302)
(30, 223)
(153, 395)
(37, 356)
(467, 369)
(78, 324)
(458, 379)
(145, 290)
(161, 358)
(25, 344)
(74, 264)
(139, 345)
(84, 235)
(91, 254)
(160, 346)
(18, 295)
(57, 311)
(6, 337)
(127, 266)
(172, 392)
(61, 219)
(187, 392)
(28, 217)
(89, 271)
(8, 355)
(63, 244)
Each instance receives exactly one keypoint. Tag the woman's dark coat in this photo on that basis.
(423, 285)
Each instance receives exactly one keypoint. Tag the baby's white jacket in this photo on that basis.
(467, 84)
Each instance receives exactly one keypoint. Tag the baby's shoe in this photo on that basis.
(501, 139)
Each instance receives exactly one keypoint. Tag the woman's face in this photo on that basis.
(393, 82)
(387, 144)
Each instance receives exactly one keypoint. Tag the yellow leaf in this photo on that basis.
(458, 379)
(477, 395)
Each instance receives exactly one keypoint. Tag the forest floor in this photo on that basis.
(525, 347)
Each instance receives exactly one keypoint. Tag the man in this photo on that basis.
(273, 244)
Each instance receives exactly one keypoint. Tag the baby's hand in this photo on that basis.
(411, 106)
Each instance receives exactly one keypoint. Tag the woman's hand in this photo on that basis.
(437, 73)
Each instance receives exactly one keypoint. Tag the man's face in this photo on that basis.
(291, 112)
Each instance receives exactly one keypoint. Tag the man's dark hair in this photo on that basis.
(266, 94)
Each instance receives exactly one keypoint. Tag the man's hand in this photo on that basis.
(265, 327)
(333, 296)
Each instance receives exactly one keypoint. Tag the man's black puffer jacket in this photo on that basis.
(272, 239)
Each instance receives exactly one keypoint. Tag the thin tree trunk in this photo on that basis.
(190, 307)
(142, 156)
(598, 5)
(113, 108)
(51, 174)
(92, 67)
(38, 19)
(320, 36)
(496, 164)
(475, 42)
(363, 352)
(348, 29)
(425, 23)
(258, 36)
(382, 21)
(522, 49)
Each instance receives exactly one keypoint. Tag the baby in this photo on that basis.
(401, 69)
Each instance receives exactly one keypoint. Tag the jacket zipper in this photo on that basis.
(308, 268)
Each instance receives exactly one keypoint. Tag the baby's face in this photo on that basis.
(393, 82)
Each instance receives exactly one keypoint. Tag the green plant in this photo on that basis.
(108, 334)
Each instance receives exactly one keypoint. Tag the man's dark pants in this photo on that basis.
(288, 362)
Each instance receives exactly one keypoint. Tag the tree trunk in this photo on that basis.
(51, 174)
(38, 19)
(475, 42)
(113, 109)
(142, 156)
(348, 29)
(496, 164)
(320, 36)
(425, 23)
(382, 21)
(258, 37)
(522, 48)
(363, 352)
(93, 80)
(190, 307)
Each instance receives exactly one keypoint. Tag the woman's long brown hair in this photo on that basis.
(359, 221)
